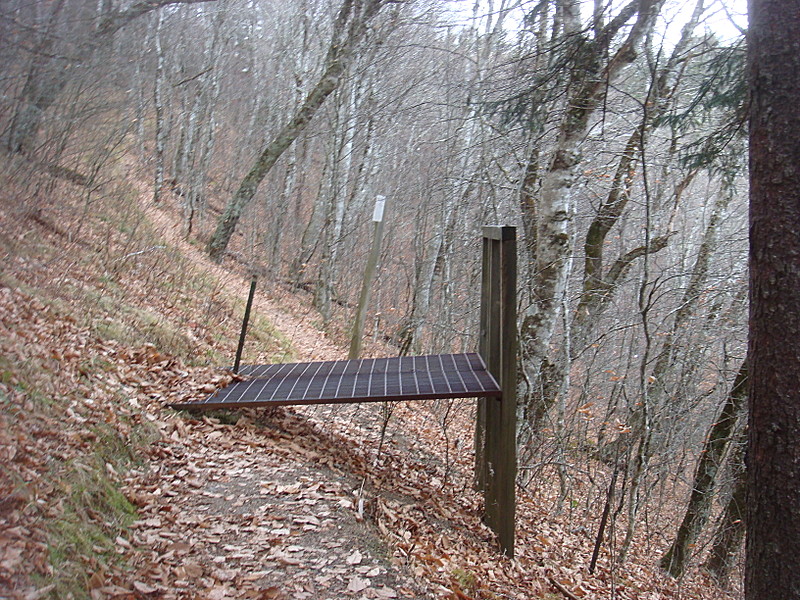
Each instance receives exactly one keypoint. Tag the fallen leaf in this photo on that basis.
(143, 588)
(97, 580)
(355, 558)
(357, 584)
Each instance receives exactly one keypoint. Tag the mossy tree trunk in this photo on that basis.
(547, 216)
(602, 277)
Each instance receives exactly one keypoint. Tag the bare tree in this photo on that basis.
(729, 533)
(715, 447)
(52, 62)
(547, 218)
(348, 28)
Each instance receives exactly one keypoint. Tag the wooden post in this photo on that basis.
(496, 426)
(369, 273)
(245, 321)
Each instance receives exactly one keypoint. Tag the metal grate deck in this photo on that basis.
(364, 380)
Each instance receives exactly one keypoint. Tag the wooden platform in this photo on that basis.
(365, 380)
(422, 378)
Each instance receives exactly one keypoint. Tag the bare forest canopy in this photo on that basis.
(612, 135)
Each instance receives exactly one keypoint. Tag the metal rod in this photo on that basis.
(244, 323)
(603, 521)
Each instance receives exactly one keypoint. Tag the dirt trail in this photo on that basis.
(308, 342)
(251, 510)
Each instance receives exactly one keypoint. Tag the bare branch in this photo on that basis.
(622, 264)
(113, 22)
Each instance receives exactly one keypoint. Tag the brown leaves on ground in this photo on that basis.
(274, 505)
(225, 511)
(236, 512)
(311, 503)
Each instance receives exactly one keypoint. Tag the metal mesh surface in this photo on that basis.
(364, 380)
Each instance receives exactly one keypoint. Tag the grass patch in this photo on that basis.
(81, 504)
(263, 333)
(82, 539)
(466, 580)
(134, 326)
(93, 513)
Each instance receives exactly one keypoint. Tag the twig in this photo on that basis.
(138, 252)
(563, 589)
(193, 77)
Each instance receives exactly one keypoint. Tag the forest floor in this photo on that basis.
(107, 313)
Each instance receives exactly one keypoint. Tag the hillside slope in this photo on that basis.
(107, 314)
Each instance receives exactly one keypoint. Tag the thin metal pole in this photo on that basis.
(603, 520)
(244, 323)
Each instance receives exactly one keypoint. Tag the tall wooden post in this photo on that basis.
(369, 274)
(496, 426)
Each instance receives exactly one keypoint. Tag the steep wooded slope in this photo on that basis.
(107, 314)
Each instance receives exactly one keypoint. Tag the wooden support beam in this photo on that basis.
(369, 274)
(496, 425)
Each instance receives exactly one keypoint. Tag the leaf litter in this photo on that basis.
(299, 503)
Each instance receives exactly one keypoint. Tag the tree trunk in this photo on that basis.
(705, 478)
(338, 201)
(44, 80)
(52, 70)
(728, 537)
(430, 254)
(158, 101)
(599, 284)
(664, 362)
(549, 218)
(773, 519)
(312, 233)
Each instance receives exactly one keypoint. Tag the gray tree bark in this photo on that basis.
(50, 71)
(549, 216)
(158, 101)
(676, 559)
(600, 282)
